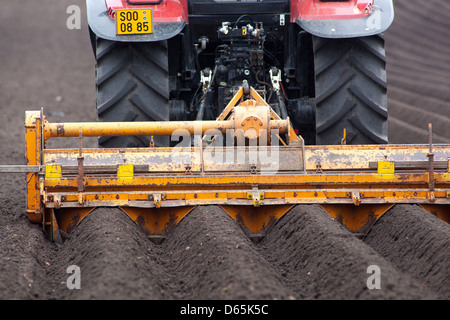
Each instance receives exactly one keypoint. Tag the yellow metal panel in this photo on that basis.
(446, 176)
(256, 220)
(33, 156)
(157, 221)
(341, 157)
(356, 218)
(69, 218)
(125, 171)
(386, 167)
(440, 211)
(53, 172)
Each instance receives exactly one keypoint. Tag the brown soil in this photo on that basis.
(415, 243)
(307, 255)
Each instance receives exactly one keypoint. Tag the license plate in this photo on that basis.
(136, 21)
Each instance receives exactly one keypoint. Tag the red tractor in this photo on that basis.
(319, 62)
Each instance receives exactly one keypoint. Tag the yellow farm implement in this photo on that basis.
(265, 171)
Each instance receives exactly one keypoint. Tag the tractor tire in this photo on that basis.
(351, 90)
(132, 82)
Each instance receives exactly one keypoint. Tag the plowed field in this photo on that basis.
(307, 255)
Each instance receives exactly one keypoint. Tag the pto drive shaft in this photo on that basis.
(250, 117)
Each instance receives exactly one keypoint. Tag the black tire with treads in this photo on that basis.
(351, 90)
(132, 81)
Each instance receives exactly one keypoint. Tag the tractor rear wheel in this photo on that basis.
(132, 81)
(350, 84)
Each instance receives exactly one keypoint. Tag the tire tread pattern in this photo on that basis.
(351, 90)
(132, 83)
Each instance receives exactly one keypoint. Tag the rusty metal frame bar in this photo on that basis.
(329, 158)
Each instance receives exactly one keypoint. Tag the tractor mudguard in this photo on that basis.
(169, 18)
(349, 19)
